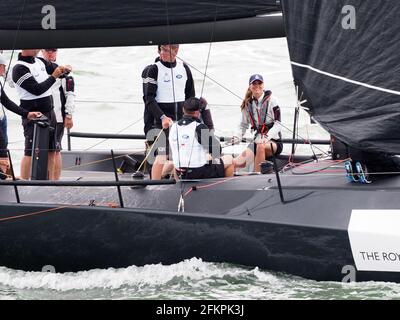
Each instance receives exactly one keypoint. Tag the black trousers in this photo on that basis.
(3, 145)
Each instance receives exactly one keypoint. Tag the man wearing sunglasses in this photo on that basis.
(167, 84)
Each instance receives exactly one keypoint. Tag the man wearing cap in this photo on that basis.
(33, 78)
(167, 84)
(195, 150)
(63, 93)
(260, 112)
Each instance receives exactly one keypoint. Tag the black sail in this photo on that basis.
(91, 23)
(345, 60)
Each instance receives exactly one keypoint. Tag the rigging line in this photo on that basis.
(326, 172)
(35, 213)
(122, 130)
(209, 48)
(181, 205)
(204, 78)
(141, 102)
(110, 101)
(239, 97)
(209, 185)
(13, 46)
(308, 137)
(151, 148)
(170, 54)
(95, 162)
(108, 204)
(213, 80)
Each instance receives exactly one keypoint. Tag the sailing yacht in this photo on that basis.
(301, 219)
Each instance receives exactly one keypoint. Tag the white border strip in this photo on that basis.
(345, 79)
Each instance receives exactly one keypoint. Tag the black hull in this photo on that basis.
(279, 237)
(87, 238)
(241, 220)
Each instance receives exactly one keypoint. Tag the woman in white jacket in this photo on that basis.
(260, 112)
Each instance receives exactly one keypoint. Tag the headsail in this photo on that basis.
(344, 57)
(93, 23)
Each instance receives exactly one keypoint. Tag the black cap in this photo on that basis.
(256, 77)
(166, 44)
(192, 104)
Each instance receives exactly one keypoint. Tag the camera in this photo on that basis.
(64, 74)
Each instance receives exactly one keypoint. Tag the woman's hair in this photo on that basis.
(246, 99)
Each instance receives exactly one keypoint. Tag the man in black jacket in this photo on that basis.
(8, 104)
(63, 93)
(195, 150)
(166, 85)
(33, 78)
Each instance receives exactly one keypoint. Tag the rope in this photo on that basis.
(209, 48)
(13, 50)
(104, 204)
(208, 185)
(148, 153)
(141, 102)
(181, 204)
(122, 130)
(34, 213)
(213, 80)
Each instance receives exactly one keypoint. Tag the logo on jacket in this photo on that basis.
(185, 136)
(166, 78)
(179, 76)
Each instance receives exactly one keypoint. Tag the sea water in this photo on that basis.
(109, 100)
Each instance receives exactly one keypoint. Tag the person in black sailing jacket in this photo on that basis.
(33, 78)
(261, 112)
(10, 105)
(63, 94)
(3, 118)
(166, 85)
(149, 74)
(195, 150)
(149, 123)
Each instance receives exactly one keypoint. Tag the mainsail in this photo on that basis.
(345, 60)
(94, 23)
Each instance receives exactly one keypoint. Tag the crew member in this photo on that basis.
(166, 86)
(33, 78)
(63, 93)
(8, 104)
(195, 150)
(261, 112)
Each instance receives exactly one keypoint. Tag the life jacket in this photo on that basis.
(186, 150)
(262, 127)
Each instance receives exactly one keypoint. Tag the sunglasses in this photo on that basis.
(171, 47)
